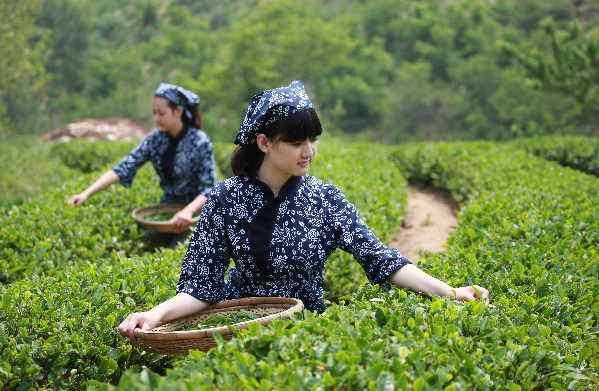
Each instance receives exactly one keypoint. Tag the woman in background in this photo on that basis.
(180, 152)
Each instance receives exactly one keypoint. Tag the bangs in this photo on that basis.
(299, 126)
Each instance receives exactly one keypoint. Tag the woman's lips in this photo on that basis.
(304, 163)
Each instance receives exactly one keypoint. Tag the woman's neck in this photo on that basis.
(274, 178)
(174, 133)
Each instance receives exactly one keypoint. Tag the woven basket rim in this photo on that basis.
(173, 335)
(161, 226)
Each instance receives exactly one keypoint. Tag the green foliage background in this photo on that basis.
(393, 69)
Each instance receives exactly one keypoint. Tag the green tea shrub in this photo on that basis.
(27, 168)
(46, 234)
(580, 153)
(89, 156)
(528, 231)
(59, 331)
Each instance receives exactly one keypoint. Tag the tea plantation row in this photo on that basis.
(27, 168)
(529, 231)
(58, 315)
(581, 153)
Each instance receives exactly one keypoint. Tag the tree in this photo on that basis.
(21, 53)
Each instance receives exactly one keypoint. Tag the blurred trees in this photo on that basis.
(393, 69)
(22, 54)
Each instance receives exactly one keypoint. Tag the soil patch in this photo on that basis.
(430, 218)
(113, 128)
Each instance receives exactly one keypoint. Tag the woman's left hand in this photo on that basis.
(471, 292)
(182, 220)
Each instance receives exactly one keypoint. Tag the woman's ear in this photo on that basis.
(262, 142)
(178, 111)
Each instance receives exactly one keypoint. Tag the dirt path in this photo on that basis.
(430, 218)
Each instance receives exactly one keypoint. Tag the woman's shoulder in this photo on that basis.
(154, 135)
(319, 186)
(198, 136)
(230, 187)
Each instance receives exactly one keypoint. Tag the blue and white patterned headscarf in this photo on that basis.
(179, 96)
(270, 106)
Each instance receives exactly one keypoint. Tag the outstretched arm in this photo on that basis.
(382, 263)
(176, 307)
(107, 179)
(411, 277)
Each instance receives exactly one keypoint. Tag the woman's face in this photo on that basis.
(291, 158)
(166, 119)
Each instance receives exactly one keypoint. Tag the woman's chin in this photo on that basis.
(301, 171)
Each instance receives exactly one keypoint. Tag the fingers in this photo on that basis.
(181, 224)
(127, 326)
(481, 293)
(472, 292)
(76, 200)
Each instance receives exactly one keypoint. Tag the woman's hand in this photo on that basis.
(78, 199)
(182, 220)
(472, 292)
(143, 320)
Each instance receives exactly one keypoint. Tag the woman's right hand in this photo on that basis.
(143, 320)
(78, 199)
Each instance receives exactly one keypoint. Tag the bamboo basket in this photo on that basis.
(166, 339)
(140, 215)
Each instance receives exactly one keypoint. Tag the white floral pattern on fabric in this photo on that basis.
(193, 169)
(313, 219)
(270, 106)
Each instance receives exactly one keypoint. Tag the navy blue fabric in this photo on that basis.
(312, 220)
(193, 167)
(270, 106)
(168, 159)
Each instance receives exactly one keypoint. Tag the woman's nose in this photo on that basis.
(308, 150)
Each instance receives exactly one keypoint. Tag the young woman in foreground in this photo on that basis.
(279, 224)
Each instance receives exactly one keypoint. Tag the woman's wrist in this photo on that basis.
(159, 314)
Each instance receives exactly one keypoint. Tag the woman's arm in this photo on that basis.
(382, 263)
(176, 307)
(107, 179)
(184, 218)
(411, 277)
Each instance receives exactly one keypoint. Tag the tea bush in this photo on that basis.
(581, 153)
(529, 231)
(46, 234)
(27, 168)
(58, 328)
(58, 331)
(89, 156)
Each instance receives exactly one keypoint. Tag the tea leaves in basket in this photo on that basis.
(219, 320)
(160, 216)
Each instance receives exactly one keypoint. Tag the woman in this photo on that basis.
(279, 224)
(180, 152)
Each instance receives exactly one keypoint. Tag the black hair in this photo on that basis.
(196, 116)
(299, 126)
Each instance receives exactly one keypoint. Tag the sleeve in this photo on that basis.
(206, 167)
(203, 269)
(128, 166)
(354, 236)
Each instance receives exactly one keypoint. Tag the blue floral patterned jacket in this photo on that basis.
(193, 170)
(279, 245)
